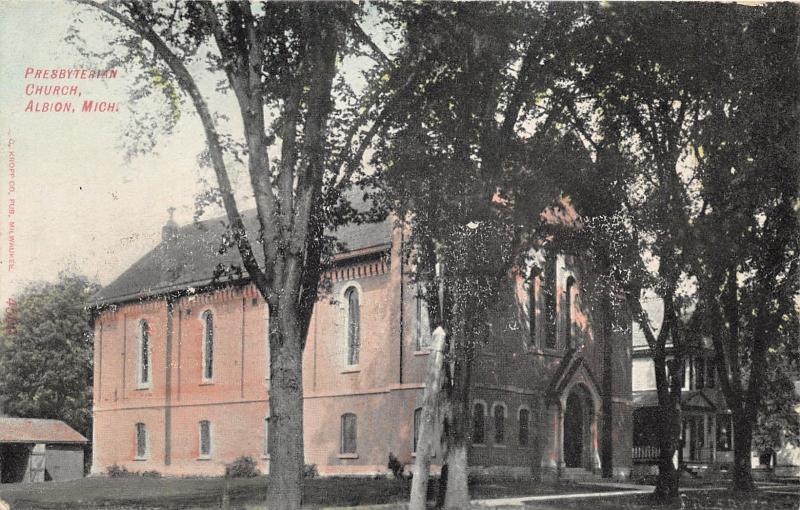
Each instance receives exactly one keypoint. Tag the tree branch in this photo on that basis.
(188, 84)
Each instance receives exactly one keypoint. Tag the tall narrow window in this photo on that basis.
(349, 433)
(549, 295)
(144, 354)
(141, 441)
(422, 325)
(478, 424)
(417, 425)
(568, 313)
(353, 326)
(205, 439)
(711, 376)
(499, 424)
(532, 305)
(700, 371)
(208, 345)
(524, 426)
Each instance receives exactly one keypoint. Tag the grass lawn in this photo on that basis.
(696, 500)
(173, 493)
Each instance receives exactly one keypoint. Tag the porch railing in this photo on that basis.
(646, 454)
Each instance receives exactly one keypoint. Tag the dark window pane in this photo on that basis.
(568, 313)
(141, 440)
(205, 438)
(549, 295)
(353, 326)
(417, 423)
(477, 424)
(349, 433)
(208, 346)
(499, 425)
(144, 353)
(524, 419)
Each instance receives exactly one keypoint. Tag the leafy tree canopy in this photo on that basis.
(46, 353)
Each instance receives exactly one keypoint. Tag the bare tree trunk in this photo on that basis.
(669, 435)
(285, 486)
(419, 485)
(742, 449)
(457, 496)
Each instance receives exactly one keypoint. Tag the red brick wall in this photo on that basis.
(383, 397)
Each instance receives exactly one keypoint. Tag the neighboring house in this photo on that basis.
(785, 462)
(181, 366)
(707, 430)
(34, 450)
(707, 424)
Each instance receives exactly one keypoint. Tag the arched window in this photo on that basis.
(422, 325)
(417, 425)
(478, 424)
(524, 426)
(499, 415)
(208, 345)
(532, 304)
(549, 296)
(141, 441)
(353, 325)
(205, 439)
(143, 357)
(568, 313)
(349, 433)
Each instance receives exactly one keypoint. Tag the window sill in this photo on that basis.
(351, 369)
(204, 457)
(207, 383)
(140, 459)
(479, 445)
(500, 445)
(423, 352)
(348, 455)
(142, 388)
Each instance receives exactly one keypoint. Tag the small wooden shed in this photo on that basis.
(34, 450)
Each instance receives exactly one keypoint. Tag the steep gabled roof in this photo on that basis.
(32, 430)
(192, 257)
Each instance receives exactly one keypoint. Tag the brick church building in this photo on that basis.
(181, 381)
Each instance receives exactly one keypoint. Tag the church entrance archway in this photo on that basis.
(577, 430)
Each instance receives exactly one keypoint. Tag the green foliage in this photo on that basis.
(395, 466)
(46, 356)
(117, 471)
(310, 471)
(242, 467)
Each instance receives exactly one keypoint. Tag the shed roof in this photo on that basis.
(33, 430)
(191, 258)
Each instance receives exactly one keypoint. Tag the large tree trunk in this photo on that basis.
(668, 476)
(285, 485)
(742, 448)
(669, 427)
(419, 485)
(457, 496)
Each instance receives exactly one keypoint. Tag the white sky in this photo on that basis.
(78, 205)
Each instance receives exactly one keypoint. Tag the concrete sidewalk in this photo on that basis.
(623, 489)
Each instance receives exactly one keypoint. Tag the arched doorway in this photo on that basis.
(578, 429)
(573, 431)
